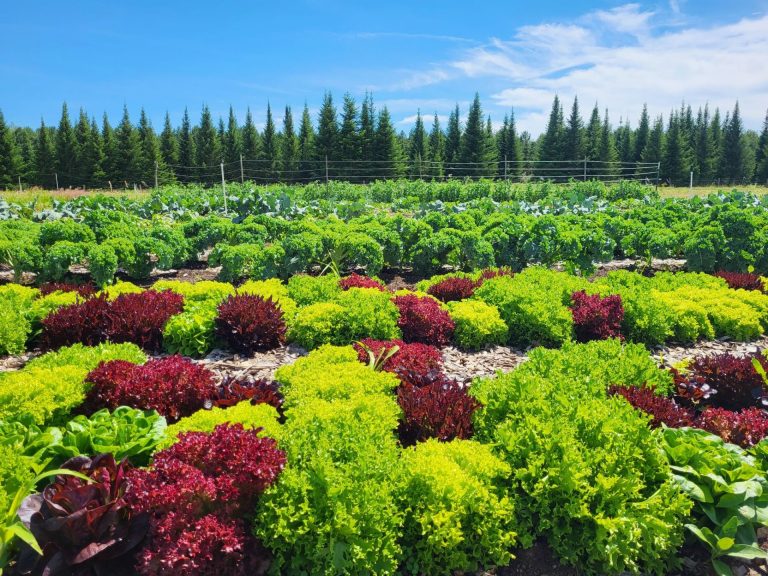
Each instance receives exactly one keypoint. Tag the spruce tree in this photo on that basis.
(25, 145)
(231, 140)
(269, 143)
(109, 149)
(761, 158)
(654, 148)
(349, 148)
(733, 156)
(251, 140)
(290, 148)
(528, 151)
(704, 146)
(641, 136)
(553, 142)
(491, 154)
(418, 150)
(45, 161)
(675, 161)
(513, 148)
(452, 143)
(573, 149)
(436, 149)
(150, 157)
(326, 142)
(99, 174)
(169, 146)
(187, 151)
(66, 153)
(472, 151)
(128, 151)
(716, 130)
(609, 155)
(10, 161)
(208, 149)
(90, 156)
(306, 153)
(367, 134)
(593, 140)
(387, 151)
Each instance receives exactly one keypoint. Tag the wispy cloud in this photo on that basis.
(620, 58)
(409, 36)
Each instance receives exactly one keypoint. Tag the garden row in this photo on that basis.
(369, 460)
(471, 311)
(283, 238)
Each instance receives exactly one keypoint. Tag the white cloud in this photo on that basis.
(621, 59)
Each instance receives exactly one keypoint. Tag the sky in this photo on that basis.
(425, 55)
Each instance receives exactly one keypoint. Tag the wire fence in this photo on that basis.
(261, 171)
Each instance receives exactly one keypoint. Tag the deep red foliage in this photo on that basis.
(422, 320)
(663, 410)
(359, 281)
(489, 273)
(744, 281)
(735, 379)
(412, 363)
(174, 386)
(234, 389)
(596, 318)
(441, 410)
(250, 323)
(691, 390)
(84, 528)
(84, 290)
(452, 289)
(86, 322)
(199, 493)
(141, 317)
(745, 428)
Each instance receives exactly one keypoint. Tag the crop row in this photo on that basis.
(492, 307)
(369, 460)
(720, 233)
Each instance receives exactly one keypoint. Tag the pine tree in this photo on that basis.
(641, 136)
(90, 156)
(251, 140)
(436, 149)
(66, 154)
(675, 161)
(306, 152)
(704, 146)
(472, 151)
(99, 175)
(150, 157)
(452, 143)
(270, 146)
(553, 142)
(624, 144)
(593, 140)
(169, 147)
(733, 156)
(491, 152)
(349, 148)
(761, 158)
(367, 134)
(231, 141)
(326, 143)
(187, 150)
(387, 151)
(128, 151)
(573, 149)
(654, 148)
(9, 156)
(45, 161)
(290, 148)
(109, 148)
(528, 151)
(25, 144)
(208, 149)
(609, 156)
(418, 150)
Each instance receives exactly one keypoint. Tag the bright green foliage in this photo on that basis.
(16, 481)
(315, 378)
(247, 261)
(458, 518)
(126, 433)
(195, 292)
(59, 257)
(586, 469)
(316, 324)
(690, 320)
(273, 289)
(15, 325)
(307, 290)
(477, 324)
(193, 332)
(119, 288)
(249, 415)
(65, 229)
(729, 491)
(50, 303)
(534, 313)
(50, 386)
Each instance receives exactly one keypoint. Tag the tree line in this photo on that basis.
(361, 143)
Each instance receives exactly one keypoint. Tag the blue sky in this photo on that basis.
(423, 55)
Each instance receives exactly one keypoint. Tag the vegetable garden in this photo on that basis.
(121, 452)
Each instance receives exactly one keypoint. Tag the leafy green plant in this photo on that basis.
(477, 325)
(730, 493)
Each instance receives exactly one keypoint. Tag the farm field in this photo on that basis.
(396, 378)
